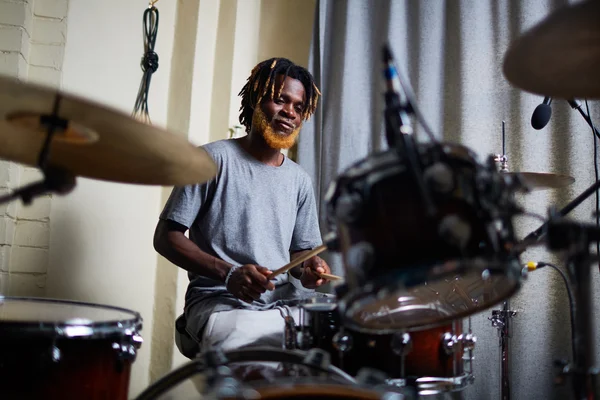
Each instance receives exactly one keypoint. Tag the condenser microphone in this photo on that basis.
(396, 102)
(542, 113)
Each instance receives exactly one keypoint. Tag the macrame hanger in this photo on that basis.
(149, 63)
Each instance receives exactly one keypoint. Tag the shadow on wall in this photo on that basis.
(66, 245)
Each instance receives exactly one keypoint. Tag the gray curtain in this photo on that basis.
(452, 52)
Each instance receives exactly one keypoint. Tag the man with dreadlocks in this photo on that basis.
(255, 215)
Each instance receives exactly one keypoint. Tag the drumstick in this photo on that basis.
(298, 261)
(331, 277)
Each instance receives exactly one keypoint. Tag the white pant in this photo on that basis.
(235, 329)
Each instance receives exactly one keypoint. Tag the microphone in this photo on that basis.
(541, 114)
(396, 101)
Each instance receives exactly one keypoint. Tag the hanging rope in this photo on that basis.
(149, 63)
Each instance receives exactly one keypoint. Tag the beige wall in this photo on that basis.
(101, 233)
(99, 237)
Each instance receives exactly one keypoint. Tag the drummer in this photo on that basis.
(254, 216)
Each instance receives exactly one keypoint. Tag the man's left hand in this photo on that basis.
(314, 266)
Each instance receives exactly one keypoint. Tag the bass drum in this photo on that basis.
(56, 349)
(268, 373)
(411, 263)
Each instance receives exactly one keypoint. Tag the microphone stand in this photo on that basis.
(55, 179)
(576, 106)
(398, 131)
(575, 239)
(539, 233)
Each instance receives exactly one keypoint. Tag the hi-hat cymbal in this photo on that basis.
(97, 142)
(560, 56)
(542, 181)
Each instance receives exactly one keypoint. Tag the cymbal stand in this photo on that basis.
(501, 319)
(55, 179)
(575, 239)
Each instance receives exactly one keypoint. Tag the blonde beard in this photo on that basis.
(274, 140)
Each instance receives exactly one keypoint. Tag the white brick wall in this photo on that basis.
(32, 42)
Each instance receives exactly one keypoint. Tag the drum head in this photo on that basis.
(21, 315)
(384, 308)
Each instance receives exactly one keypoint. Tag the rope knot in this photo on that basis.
(150, 61)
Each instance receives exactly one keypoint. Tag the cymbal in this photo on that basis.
(542, 181)
(96, 142)
(560, 56)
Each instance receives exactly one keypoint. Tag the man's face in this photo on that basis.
(279, 120)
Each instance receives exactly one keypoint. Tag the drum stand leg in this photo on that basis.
(501, 320)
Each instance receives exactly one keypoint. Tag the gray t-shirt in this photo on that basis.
(249, 213)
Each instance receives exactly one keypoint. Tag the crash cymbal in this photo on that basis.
(542, 181)
(96, 142)
(560, 56)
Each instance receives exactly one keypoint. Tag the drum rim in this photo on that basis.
(366, 294)
(93, 330)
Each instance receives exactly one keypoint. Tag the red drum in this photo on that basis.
(54, 349)
(436, 355)
(410, 266)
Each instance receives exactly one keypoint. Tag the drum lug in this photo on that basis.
(318, 358)
(342, 341)
(401, 343)
(127, 347)
(450, 343)
(56, 354)
(468, 341)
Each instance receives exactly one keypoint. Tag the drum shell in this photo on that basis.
(425, 356)
(66, 349)
(87, 368)
(379, 202)
(412, 264)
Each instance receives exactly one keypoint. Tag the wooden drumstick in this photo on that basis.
(331, 277)
(298, 261)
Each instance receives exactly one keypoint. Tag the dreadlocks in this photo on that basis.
(261, 85)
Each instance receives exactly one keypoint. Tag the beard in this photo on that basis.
(275, 140)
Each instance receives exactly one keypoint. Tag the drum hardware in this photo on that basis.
(501, 320)
(127, 346)
(574, 239)
(56, 180)
(291, 333)
(536, 236)
(533, 180)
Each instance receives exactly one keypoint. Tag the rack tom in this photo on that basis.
(411, 266)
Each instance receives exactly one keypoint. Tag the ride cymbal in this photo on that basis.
(94, 141)
(542, 181)
(560, 56)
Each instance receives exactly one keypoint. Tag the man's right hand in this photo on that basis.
(249, 281)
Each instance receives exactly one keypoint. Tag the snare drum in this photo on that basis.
(410, 268)
(52, 349)
(289, 374)
(439, 356)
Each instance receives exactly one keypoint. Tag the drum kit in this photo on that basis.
(399, 326)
